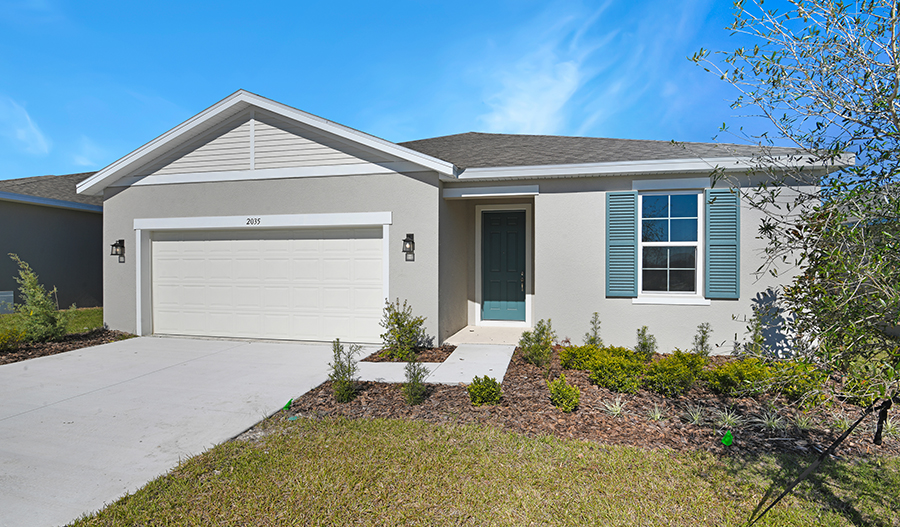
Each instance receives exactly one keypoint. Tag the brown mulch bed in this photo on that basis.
(424, 355)
(525, 408)
(70, 342)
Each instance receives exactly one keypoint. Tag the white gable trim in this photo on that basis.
(491, 192)
(48, 202)
(233, 104)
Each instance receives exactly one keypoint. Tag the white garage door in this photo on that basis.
(309, 284)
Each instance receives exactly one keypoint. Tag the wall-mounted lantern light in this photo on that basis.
(118, 249)
(409, 248)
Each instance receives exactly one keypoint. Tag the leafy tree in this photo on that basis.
(826, 75)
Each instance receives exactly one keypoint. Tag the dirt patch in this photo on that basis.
(424, 355)
(70, 342)
(525, 408)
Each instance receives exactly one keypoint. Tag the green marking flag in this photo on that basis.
(728, 439)
(292, 418)
(288, 405)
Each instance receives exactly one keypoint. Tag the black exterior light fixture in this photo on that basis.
(118, 249)
(409, 248)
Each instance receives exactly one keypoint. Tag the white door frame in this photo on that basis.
(144, 227)
(529, 257)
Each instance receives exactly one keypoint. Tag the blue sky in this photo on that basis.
(84, 83)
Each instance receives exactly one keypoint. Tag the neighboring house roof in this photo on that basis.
(481, 150)
(53, 191)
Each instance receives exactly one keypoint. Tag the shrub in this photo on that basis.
(537, 345)
(484, 390)
(701, 340)
(738, 377)
(618, 372)
(578, 357)
(414, 388)
(40, 317)
(797, 380)
(646, 344)
(592, 337)
(403, 331)
(343, 371)
(673, 375)
(563, 395)
(9, 339)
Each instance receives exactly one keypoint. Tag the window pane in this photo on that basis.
(655, 207)
(654, 280)
(684, 206)
(655, 257)
(683, 230)
(655, 231)
(682, 258)
(681, 281)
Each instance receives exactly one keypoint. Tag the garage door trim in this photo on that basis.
(144, 226)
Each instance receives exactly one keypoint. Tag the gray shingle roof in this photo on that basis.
(52, 187)
(481, 150)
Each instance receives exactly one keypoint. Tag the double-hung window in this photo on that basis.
(669, 243)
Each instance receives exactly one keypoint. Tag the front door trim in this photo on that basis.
(529, 291)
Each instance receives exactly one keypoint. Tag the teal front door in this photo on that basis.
(503, 265)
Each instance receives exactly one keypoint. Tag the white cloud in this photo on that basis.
(89, 154)
(18, 128)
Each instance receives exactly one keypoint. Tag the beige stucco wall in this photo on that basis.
(456, 250)
(63, 246)
(412, 198)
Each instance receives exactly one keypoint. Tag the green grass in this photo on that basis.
(85, 319)
(394, 472)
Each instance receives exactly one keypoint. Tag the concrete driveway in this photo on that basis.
(80, 429)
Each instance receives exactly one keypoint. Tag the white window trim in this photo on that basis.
(672, 298)
(144, 227)
(529, 292)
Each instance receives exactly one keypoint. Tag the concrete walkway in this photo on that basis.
(466, 362)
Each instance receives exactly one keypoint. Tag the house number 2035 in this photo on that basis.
(254, 221)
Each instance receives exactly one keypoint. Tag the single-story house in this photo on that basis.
(257, 220)
(58, 232)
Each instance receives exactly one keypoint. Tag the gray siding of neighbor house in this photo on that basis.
(570, 268)
(64, 247)
(412, 198)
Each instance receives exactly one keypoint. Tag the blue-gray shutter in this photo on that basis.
(723, 243)
(621, 244)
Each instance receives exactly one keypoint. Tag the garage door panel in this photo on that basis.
(309, 284)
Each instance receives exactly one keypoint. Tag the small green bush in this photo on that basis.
(592, 337)
(403, 331)
(674, 374)
(343, 371)
(745, 376)
(797, 380)
(537, 345)
(484, 390)
(616, 371)
(578, 357)
(646, 344)
(10, 339)
(563, 395)
(40, 317)
(414, 388)
(701, 340)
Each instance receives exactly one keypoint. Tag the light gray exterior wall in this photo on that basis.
(570, 268)
(412, 198)
(456, 251)
(64, 247)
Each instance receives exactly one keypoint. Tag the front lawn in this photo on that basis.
(398, 472)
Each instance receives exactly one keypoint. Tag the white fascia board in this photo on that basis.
(270, 173)
(661, 166)
(265, 221)
(491, 192)
(48, 202)
(239, 101)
